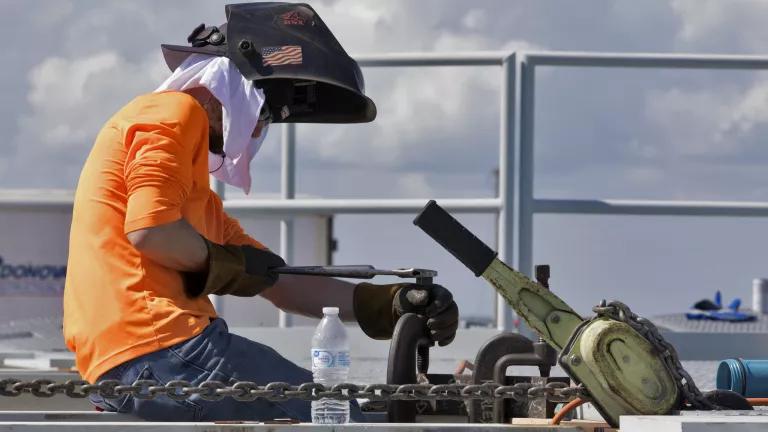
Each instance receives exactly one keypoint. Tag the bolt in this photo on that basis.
(244, 45)
(575, 360)
(216, 39)
(555, 318)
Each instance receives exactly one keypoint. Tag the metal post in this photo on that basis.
(523, 228)
(506, 180)
(525, 208)
(219, 188)
(287, 192)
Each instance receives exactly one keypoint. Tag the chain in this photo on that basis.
(692, 396)
(280, 391)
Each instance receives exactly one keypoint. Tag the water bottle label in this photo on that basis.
(329, 359)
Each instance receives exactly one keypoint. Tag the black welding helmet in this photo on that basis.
(288, 51)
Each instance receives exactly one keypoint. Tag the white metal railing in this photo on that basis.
(290, 207)
(515, 204)
(528, 205)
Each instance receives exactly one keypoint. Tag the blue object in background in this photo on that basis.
(749, 378)
(735, 304)
(708, 310)
(732, 316)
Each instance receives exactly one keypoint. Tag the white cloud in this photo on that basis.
(690, 122)
(415, 105)
(69, 100)
(728, 26)
(751, 110)
(415, 185)
(699, 17)
(73, 93)
(709, 122)
(475, 19)
(414, 108)
(53, 13)
(645, 175)
(58, 90)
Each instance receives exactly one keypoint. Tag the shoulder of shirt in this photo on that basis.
(168, 107)
(175, 101)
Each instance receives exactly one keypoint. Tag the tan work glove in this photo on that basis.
(242, 271)
(378, 307)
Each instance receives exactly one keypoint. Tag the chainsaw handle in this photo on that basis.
(454, 237)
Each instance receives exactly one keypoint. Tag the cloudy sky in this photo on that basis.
(615, 133)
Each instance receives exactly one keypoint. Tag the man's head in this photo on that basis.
(275, 55)
(289, 52)
(213, 109)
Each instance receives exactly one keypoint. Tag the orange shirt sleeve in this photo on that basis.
(158, 167)
(235, 235)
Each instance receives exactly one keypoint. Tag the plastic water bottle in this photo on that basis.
(330, 366)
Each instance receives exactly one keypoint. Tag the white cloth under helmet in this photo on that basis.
(241, 102)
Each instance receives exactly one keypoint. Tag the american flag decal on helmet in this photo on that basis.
(283, 55)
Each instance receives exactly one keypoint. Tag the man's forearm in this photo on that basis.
(176, 245)
(307, 295)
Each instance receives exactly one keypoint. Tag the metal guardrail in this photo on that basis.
(501, 205)
(515, 204)
(516, 148)
(526, 64)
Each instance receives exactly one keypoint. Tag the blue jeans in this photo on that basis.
(213, 355)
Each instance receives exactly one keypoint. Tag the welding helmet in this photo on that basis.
(288, 51)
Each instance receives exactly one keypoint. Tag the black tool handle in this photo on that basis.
(454, 237)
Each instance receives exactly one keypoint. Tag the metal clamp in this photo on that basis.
(512, 349)
(408, 360)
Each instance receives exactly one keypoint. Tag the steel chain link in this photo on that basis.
(281, 391)
(692, 396)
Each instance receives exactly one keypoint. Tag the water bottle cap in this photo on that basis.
(330, 311)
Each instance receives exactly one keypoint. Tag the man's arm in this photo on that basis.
(376, 308)
(175, 245)
(158, 179)
(306, 295)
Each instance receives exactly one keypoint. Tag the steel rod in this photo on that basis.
(299, 207)
(640, 60)
(219, 187)
(287, 193)
(525, 166)
(480, 58)
(651, 208)
(505, 230)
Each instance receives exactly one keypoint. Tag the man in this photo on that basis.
(150, 241)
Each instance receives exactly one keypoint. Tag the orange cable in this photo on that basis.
(570, 406)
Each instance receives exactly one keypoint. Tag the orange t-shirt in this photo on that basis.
(148, 167)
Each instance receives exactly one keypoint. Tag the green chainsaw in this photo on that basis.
(621, 360)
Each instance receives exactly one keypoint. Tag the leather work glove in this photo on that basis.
(378, 307)
(242, 271)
